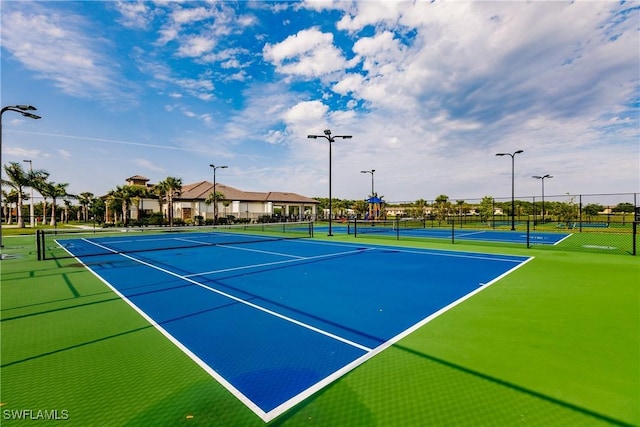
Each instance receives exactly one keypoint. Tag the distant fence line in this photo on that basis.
(594, 238)
(536, 208)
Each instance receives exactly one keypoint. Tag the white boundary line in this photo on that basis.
(369, 353)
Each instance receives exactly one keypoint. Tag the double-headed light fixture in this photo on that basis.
(372, 171)
(331, 139)
(513, 200)
(542, 178)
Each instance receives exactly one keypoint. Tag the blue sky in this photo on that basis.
(429, 91)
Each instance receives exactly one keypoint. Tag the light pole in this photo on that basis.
(31, 212)
(215, 201)
(513, 202)
(331, 139)
(24, 110)
(372, 171)
(541, 178)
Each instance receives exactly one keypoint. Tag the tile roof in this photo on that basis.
(200, 191)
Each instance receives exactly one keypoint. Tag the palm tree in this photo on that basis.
(443, 204)
(85, 199)
(11, 199)
(137, 192)
(121, 198)
(56, 190)
(160, 191)
(171, 187)
(18, 180)
(210, 199)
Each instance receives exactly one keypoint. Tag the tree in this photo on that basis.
(624, 208)
(170, 188)
(55, 191)
(442, 205)
(18, 180)
(137, 192)
(211, 198)
(419, 211)
(592, 210)
(11, 199)
(120, 199)
(486, 208)
(85, 199)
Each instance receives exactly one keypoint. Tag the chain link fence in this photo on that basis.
(603, 223)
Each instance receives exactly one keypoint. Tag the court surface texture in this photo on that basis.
(276, 321)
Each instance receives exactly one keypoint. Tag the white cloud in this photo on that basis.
(135, 14)
(58, 47)
(196, 46)
(148, 165)
(309, 53)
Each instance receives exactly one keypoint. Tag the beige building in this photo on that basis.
(247, 205)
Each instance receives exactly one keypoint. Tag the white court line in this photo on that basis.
(298, 259)
(239, 300)
(420, 251)
(563, 239)
(369, 353)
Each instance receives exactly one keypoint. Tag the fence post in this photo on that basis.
(528, 240)
(634, 229)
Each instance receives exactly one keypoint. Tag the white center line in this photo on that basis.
(239, 300)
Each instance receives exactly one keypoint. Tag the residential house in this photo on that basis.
(191, 203)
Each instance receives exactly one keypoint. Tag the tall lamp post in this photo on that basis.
(541, 178)
(372, 171)
(31, 211)
(215, 201)
(331, 139)
(513, 200)
(24, 110)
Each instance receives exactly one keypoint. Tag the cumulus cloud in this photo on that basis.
(309, 53)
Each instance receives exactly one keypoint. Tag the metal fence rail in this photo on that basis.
(613, 238)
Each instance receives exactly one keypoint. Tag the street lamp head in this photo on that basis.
(344, 136)
(223, 167)
(31, 116)
(327, 132)
(501, 154)
(519, 151)
(312, 136)
(26, 107)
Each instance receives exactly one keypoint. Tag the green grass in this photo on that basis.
(556, 342)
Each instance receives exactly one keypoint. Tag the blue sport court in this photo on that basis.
(274, 321)
(461, 234)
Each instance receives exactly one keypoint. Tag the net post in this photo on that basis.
(42, 245)
(355, 228)
(453, 224)
(38, 245)
(397, 228)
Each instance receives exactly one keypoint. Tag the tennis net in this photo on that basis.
(56, 244)
(384, 226)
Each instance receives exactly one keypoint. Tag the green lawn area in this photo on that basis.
(554, 343)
